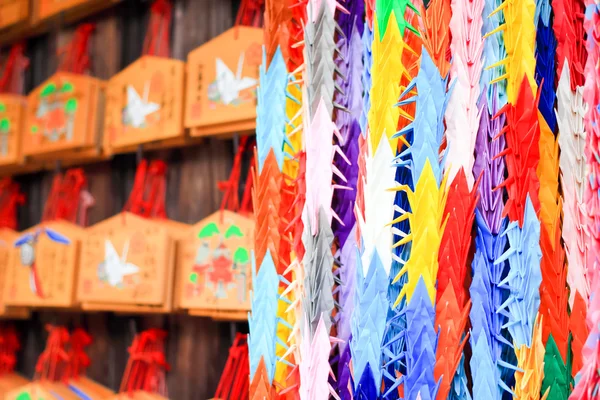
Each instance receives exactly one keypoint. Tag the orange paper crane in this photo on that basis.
(436, 33)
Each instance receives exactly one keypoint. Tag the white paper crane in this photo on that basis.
(229, 85)
(137, 108)
(114, 268)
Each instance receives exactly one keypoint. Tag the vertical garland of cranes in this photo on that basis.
(361, 370)
(588, 377)
(393, 348)
(492, 356)
(375, 203)
(553, 290)
(462, 122)
(290, 309)
(426, 201)
(347, 118)
(394, 345)
(570, 109)
(270, 137)
(266, 320)
(522, 135)
(319, 131)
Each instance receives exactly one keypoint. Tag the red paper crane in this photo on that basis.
(522, 133)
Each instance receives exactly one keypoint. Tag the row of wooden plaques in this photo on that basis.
(130, 264)
(15, 387)
(155, 102)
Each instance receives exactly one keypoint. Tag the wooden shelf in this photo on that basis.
(35, 27)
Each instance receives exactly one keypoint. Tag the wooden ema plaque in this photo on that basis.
(49, 8)
(10, 382)
(7, 253)
(144, 104)
(222, 76)
(127, 264)
(12, 117)
(44, 265)
(137, 395)
(64, 114)
(86, 388)
(214, 266)
(13, 12)
(40, 391)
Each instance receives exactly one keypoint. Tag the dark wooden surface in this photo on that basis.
(197, 347)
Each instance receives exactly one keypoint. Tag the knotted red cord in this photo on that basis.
(147, 197)
(68, 199)
(9, 345)
(157, 42)
(79, 361)
(234, 384)
(10, 198)
(147, 364)
(75, 55)
(53, 363)
(250, 13)
(230, 187)
(11, 80)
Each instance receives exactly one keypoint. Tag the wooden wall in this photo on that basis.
(197, 347)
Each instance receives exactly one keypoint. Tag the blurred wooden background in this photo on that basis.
(197, 347)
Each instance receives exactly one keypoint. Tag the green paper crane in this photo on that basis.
(384, 11)
(556, 373)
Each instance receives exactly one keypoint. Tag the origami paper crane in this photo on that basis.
(436, 33)
(347, 292)
(579, 332)
(318, 281)
(463, 114)
(319, 60)
(545, 54)
(428, 198)
(519, 39)
(522, 153)
(386, 67)
(428, 124)
(262, 320)
(367, 41)
(266, 198)
(591, 95)
(556, 381)
(374, 227)
(528, 379)
(487, 318)
(456, 240)
(554, 292)
(277, 21)
(421, 345)
(350, 102)
(524, 276)
(368, 324)
(587, 381)
(270, 110)
(570, 116)
(450, 320)
(384, 11)
(314, 367)
(493, 52)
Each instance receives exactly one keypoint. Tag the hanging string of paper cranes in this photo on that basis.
(427, 201)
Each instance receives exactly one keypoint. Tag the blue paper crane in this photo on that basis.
(26, 244)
